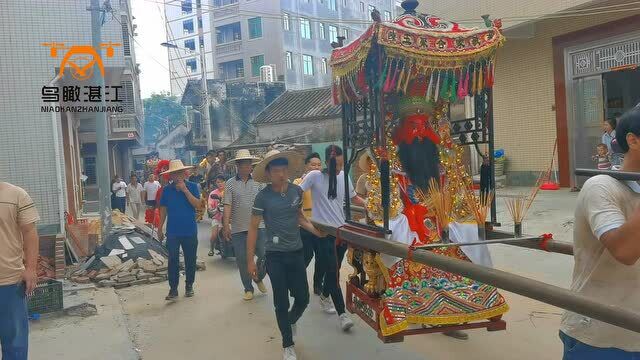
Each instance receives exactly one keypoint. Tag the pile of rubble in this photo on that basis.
(130, 255)
(114, 272)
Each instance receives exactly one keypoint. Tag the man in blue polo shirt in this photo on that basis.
(178, 203)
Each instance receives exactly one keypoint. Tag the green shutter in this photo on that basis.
(256, 63)
(255, 27)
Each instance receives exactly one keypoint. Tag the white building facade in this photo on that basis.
(239, 37)
(46, 152)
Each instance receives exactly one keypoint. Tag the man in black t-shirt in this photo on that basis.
(280, 206)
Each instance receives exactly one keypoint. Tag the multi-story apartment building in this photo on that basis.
(239, 37)
(46, 150)
(566, 66)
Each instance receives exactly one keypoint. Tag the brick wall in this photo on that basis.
(525, 119)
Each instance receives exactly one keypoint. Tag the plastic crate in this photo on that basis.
(46, 298)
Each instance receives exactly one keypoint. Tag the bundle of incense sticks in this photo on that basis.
(440, 201)
(519, 205)
(479, 206)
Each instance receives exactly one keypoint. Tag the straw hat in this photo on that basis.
(244, 154)
(362, 161)
(260, 171)
(176, 165)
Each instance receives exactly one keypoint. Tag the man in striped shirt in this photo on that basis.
(18, 268)
(239, 196)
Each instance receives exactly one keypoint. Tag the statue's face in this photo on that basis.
(415, 126)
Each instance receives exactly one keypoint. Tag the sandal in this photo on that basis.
(211, 253)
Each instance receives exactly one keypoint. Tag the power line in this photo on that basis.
(143, 49)
(560, 14)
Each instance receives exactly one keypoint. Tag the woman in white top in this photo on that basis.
(119, 188)
(134, 196)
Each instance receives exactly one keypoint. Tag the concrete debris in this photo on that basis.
(121, 285)
(126, 278)
(128, 255)
(156, 279)
(106, 283)
(142, 276)
(82, 310)
(200, 265)
(111, 262)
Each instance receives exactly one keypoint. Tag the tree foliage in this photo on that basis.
(162, 113)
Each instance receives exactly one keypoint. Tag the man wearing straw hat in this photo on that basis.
(178, 205)
(279, 204)
(239, 195)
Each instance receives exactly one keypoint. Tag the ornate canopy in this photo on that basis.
(417, 45)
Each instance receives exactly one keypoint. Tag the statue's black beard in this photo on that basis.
(420, 160)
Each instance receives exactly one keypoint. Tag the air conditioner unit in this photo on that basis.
(268, 73)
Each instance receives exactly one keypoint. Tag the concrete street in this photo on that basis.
(217, 324)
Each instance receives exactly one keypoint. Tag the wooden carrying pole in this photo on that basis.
(520, 285)
(555, 246)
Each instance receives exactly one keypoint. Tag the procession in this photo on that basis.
(407, 205)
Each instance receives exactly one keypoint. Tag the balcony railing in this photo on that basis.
(226, 11)
(229, 48)
(125, 126)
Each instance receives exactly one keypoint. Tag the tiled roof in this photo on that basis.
(300, 105)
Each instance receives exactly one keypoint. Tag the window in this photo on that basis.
(344, 3)
(387, 15)
(288, 56)
(192, 65)
(333, 4)
(324, 66)
(286, 22)
(228, 33)
(361, 6)
(307, 64)
(255, 27)
(333, 33)
(200, 23)
(256, 63)
(187, 26)
(305, 28)
(187, 7)
(219, 3)
(345, 33)
(321, 30)
(190, 44)
(231, 69)
(126, 44)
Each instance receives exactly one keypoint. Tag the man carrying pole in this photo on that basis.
(606, 251)
(280, 206)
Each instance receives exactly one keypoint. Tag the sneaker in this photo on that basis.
(173, 294)
(248, 295)
(345, 322)
(189, 291)
(289, 353)
(294, 329)
(327, 305)
(262, 287)
(457, 334)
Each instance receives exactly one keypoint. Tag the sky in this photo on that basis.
(149, 17)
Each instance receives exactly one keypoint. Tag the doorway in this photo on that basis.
(621, 91)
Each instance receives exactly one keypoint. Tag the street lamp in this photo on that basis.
(203, 82)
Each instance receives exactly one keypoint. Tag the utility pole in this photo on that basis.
(102, 151)
(204, 111)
